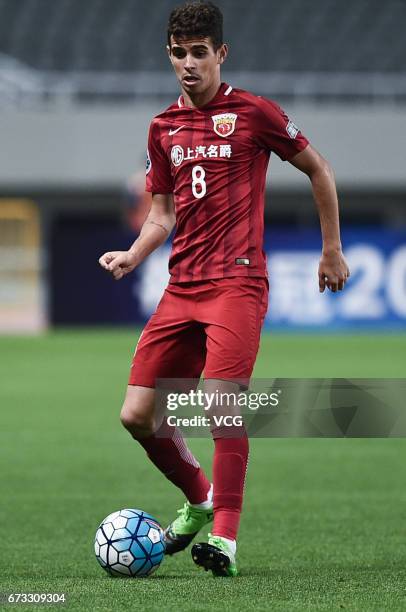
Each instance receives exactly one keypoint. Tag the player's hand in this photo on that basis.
(118, 263)
(333, 271)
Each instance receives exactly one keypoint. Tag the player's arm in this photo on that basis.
(333, 269)
(155, 230)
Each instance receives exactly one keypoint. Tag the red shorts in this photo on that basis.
(212, 326)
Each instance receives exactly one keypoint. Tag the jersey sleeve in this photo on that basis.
(158, 170)
(273, 130)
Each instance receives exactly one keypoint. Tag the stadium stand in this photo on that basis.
(100, 35)
(330, 49)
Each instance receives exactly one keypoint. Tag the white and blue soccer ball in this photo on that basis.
(129, 542)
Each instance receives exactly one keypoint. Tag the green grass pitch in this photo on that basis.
(323, 526)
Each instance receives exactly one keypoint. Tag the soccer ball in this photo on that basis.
(129, 543)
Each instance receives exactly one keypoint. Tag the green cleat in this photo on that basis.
(215, 555)
(182, 530)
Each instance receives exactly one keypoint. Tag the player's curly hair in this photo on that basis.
(197, 19)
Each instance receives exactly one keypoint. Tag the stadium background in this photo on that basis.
(79, 84)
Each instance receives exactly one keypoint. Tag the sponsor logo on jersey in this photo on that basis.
(177, 155)
(292, 129)
(172, 132)
(224, 124)
(148, 163)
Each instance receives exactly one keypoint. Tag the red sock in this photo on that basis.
(229, 469)
(168, 451)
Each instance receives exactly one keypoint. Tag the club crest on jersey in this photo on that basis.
(224, 124)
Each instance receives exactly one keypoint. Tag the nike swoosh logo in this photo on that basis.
(172, 132)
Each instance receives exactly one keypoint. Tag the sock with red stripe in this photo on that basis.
(168, 451)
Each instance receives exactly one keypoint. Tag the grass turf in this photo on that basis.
(323, 523)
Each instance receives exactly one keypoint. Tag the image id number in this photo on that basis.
(35, 598)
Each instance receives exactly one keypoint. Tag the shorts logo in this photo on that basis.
(177, 155)
(148, 163)
(224, 124)
(292, 130)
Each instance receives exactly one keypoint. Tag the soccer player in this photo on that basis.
(206, 164)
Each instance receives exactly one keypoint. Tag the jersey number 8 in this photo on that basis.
(199, 186)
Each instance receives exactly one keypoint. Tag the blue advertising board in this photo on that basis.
(375, 295)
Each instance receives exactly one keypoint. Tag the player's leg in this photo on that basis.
(233, 331)
(171, 346)
(229, 470)
(166, 448)
(163, 444)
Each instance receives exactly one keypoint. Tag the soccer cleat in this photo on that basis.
(215, 555)
(182, 530)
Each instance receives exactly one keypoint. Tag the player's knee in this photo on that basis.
(137, 413)
(138, 423)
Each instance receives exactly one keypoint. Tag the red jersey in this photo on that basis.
(214, 160)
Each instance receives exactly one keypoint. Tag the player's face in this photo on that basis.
(196, 63)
